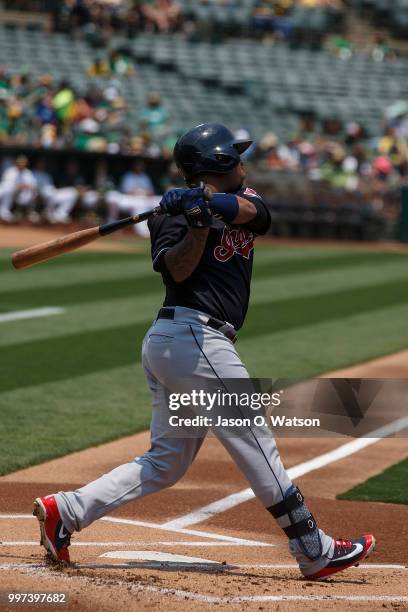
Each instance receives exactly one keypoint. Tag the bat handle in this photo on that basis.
(206, 192)
(109, 228)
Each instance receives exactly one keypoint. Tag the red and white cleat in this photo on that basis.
(346, 554)
(54, 536)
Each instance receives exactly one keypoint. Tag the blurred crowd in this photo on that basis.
(52, 114)
(312, 24)
(351, 166)
(372, 167)
(271, 9)
(341, 159)
(132, 16)
(38, 196)
(45, 114)
(119, 15)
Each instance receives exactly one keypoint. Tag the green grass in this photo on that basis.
(74, 380)
(47, 421)
(388, 487)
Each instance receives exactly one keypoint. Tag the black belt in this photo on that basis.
(225, 328)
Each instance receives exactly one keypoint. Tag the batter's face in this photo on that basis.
(224, 182)
(241, 172)
(234, 179)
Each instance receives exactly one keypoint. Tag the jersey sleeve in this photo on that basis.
(165, 232)
(261, 223)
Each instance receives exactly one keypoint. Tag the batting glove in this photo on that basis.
(197, 213)
(171, 203)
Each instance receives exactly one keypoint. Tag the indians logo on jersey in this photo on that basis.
(251, 192)
(234, 241)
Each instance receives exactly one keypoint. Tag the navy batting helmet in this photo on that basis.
(208, 148)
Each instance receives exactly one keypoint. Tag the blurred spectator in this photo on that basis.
(86, 196)
(40, 113)
(341, 47)
(45, 110)
(382, 50)
(93, 16)
(276, 155)
(155, 116)
(135, 196)
(163, 15)
(120, 63)
(113, 63)
(273, 15)
(173, 178)
(62, 101)
(18, 186)
(100, 67)
(58, 203)
(136, 181)
(339, 170)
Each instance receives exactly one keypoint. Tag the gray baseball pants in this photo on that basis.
(173, 350)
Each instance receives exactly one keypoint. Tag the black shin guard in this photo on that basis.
(302, 525)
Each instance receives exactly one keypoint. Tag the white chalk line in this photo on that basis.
(154, 564)
(294, 566)
(369, 566)
(376, 567)
(16, 516)
(28, 566)
(135, 543)
(156, 526)
(43, 571)
(201, 514)
(266, 598)
(178, 525)
(17, 315)
(193, 532)
(343, 451)
(98, 544)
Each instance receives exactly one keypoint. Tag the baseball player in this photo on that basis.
(203, 248)
(18, 185)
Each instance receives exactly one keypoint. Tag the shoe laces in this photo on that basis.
(343, 545)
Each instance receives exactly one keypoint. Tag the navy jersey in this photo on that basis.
(220, 284)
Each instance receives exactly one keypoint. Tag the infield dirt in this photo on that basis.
(241, 575)
(95, 582)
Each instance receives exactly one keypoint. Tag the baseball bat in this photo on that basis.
(64, 244)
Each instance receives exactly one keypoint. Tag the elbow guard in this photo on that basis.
(225, 206)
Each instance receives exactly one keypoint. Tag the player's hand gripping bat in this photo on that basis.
(70, 242)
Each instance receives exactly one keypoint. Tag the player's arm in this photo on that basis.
(246, 211)
(183, 258)
(178, 251)
(238, 210)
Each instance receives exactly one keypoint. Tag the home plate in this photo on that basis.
(158, 557)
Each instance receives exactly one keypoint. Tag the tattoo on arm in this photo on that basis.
(182, 259)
